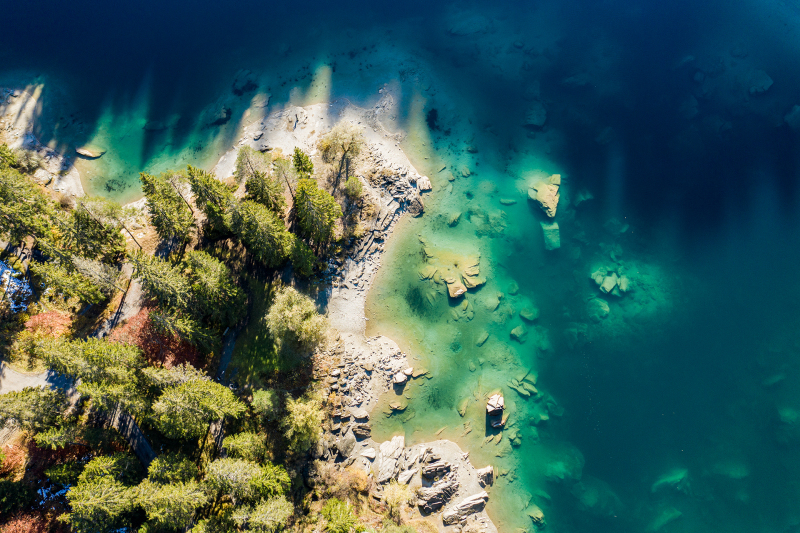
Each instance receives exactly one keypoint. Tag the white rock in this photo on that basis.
(424, 184)
(552, 235)
(495, 404)
(400, 378)
(408, 371)
(369, 453)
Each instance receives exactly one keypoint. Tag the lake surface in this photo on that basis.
(670, 125)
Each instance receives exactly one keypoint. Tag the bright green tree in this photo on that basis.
(293, 320)
(172, 468)
(161, 280)
(246, 481)
(33, 408)
(211, 196)
(303, 423)
(99, 506)
(246, 445)
(215, 294)
(268, 516)
(317, 212)
(353, 188)
(24, 210)
(340, 517)
(264, 234)
(175, 324)
(170, 214)
(184, 411)
(302, 163)
(171, 506)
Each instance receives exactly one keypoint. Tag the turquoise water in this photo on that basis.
(679, 410)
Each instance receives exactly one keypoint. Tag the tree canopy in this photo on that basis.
(170, 214)
(317, 212)
(264, 234)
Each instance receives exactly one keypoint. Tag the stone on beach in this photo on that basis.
(400, 378)
(467, 506)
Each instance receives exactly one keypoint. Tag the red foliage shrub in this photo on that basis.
(16, 453)
(53, 323)
(157, 347)
(27, 522)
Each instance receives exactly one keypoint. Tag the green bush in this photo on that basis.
(340, 517)
(353, 188)
(268, 404)
(65, 474)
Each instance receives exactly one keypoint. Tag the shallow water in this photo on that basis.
(677, 412)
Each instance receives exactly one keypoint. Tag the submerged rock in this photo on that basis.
(536, 115)
(519, 333)
(552, 235)
(536, 515)
(415, 206)
(597, 309)
(485, 476)
(424, 184)
(453, 218)
(759, 82)
(90, 153)
(546, 194)
(455, 288)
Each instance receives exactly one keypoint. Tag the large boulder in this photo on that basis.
(362, 431)
(455, 287)
(424, 184)
(485, 476)
(433, 498)
(436, 468)
(464, 508)
(495, 405)
(415, 206)
(759, 82)
(546, 193)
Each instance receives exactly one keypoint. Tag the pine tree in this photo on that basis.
(184, 411)
(161, 281)
(172, 323)
(33, 408)
(303, 258)
(246, 445)
(68, 283)
(211, 197)
(243, 480)
(170, 215)
(24, 210)
(262, 186)
(215, 294)
(264, 234)
(99, 506)
(285, 173)
(317, 212)
(171, 506)
(172, 468)
(268, 516)
(302, 163)
(94, 229)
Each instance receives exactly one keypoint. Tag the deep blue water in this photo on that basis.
(663, 130)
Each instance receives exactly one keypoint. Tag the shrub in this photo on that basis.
(353, 188)
(268, 404)
(14, 495)
(303, 423)
(293, 319)
(340, 517)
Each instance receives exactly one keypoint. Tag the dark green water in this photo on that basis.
(677, 412)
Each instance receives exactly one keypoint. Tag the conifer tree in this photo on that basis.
(215, 294)
(99, 506)
(303, 258)
(303, 423)
(94, 229)
(171, 506)
(211, 196)
(266, 517)
(285, 172)
(24, 210)
(302, 163)
(172, 323)
(170, 215)
(293, 320)
(33, 408)
(266, 191)
(66, 282)
(184, 411)
(161, 280)
(264, 234)
(317, 212)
